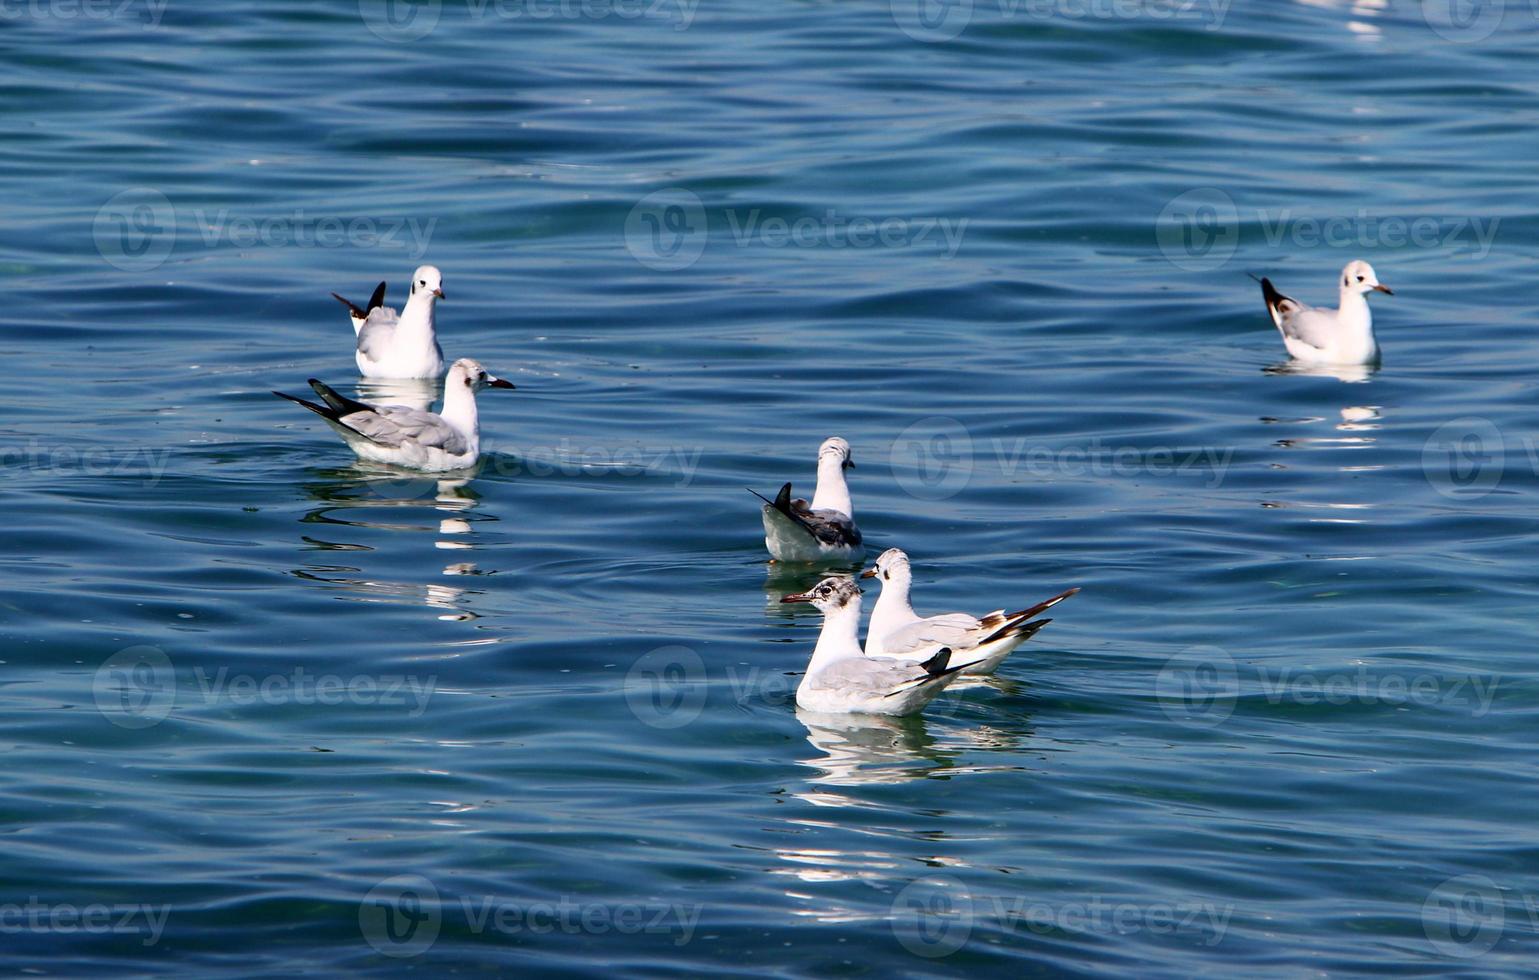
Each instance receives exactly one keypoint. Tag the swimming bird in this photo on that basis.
(404, 345)
(412, 437)
(840, 679)
(824, 530)
(1321, 336)
(897, 631)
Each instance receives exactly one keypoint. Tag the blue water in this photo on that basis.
(267, 713)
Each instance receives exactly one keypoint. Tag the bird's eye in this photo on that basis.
(1359, 278)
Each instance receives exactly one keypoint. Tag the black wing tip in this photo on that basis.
(938, 663)
(377, 299)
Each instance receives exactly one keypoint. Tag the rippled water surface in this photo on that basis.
(269, 713)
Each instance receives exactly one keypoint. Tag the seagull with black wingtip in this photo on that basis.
(1318, 335)
(823, 530)
(403, 436)
(400, 345)
(897, 631)
(841, 679)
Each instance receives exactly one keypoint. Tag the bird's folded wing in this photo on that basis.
(860, 676)
(956, 630)
(377, 333)
(395, 426)
(828, 526)
(1310, 325)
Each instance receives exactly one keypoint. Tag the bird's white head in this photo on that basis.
(1358, 277)
(428, 281)
(830, 595)
(890, 564)
(467, 372)
(837, 449)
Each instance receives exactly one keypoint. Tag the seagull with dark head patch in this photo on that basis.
(411, 437)
(1317, 335)
(824, 530)
(840, 679)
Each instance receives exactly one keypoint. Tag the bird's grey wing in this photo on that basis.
(863, 676)
(377, 333)
(1308, 324)
(395, 425)
(828, 526)
(955, 630)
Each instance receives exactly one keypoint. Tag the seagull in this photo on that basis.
(412, 437)
(403, 345)
(823, 531)
(898, 632)
(840, 679)
(1320, 336)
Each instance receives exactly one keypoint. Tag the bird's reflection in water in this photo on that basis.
(1349, 373)
(1354, 432)
(859, 750)
(359, 496)
(412, 393)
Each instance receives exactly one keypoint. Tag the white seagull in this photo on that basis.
(840, 679)
(412, 437)
(897, 631)
(1321, 336)
(404, 345)
(824, 530)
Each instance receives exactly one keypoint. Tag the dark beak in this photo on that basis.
(439, 292)
(1384, 289)
(499, 383)
(796, 597)
(868, 573)
(849, 464)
